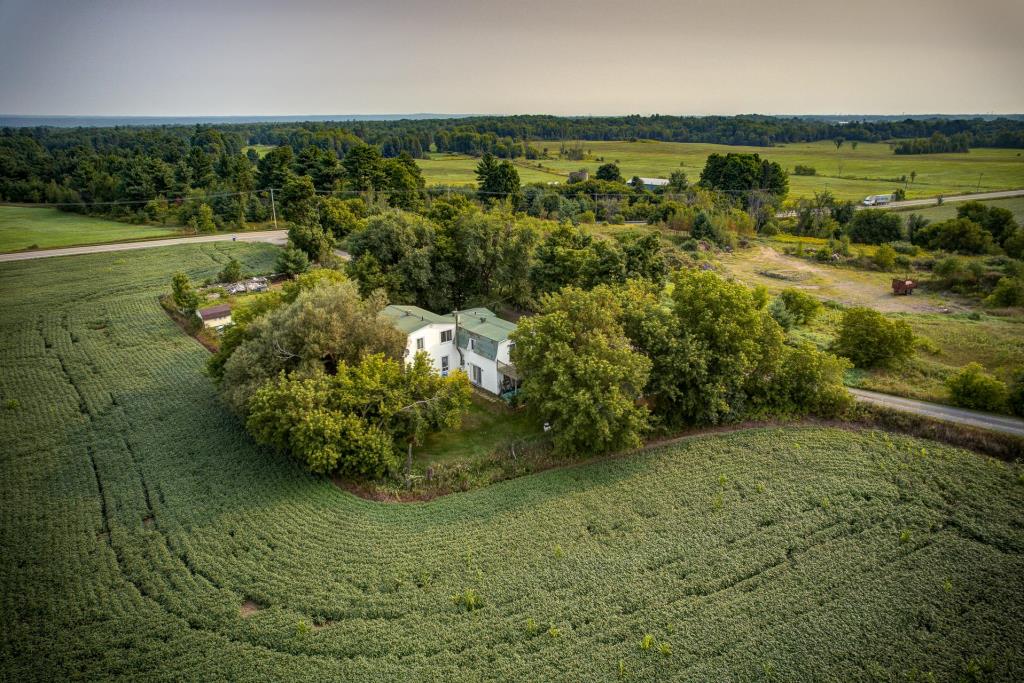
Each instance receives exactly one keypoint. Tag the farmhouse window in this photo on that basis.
(446, 336)
(419, 343)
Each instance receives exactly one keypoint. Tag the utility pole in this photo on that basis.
(273, 209)
(979, 182)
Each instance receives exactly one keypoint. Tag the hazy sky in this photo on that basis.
(235, 57)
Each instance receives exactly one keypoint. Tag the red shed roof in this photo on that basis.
(218, 311)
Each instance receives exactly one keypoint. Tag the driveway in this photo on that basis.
(972, 418)
(279, 237)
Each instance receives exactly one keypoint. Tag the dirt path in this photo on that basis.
(763, 265)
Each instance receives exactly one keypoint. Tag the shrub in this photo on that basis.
(1008, 292)
(292, 261)
(800, 169)
(972, 387)
(874, 226)
(232, 272)
(782, 315)
(804, 307)
(907, 248)
(885, 258)
(960, 235)
(868, 339)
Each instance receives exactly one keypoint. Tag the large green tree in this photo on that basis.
(349, 421)
(582, 375)
(321, 329)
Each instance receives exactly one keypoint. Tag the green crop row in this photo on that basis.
(144, 536)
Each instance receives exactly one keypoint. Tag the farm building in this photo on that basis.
(474, 341)
(215, 316)
(653, 183)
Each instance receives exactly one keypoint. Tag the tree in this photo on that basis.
(961, 235)
(201, 221)
(802, 306)
(232, 271)
(874, 226)
(310, 239)
(323, 328)
(348, 422)
(320, 165)
(609, 172)
(677, 181)
(998, 221)
(868, 339)
(341, 217)
(738, 346)
(363, 170)
(185, 297)
(740, 175)
(395, 251)
(581, 375)
(298, 201)
(274, 169)
(972, 387)
(292, 261)
(496, 180)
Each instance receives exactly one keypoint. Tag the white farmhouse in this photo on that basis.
(474, 341)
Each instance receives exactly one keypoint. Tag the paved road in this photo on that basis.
(930, 201)
(271, 236)
(973, 418)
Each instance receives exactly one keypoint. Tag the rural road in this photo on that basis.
(272, 236)
(931, 201)
(972, 418)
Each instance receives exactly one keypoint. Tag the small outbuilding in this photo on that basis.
(215, 316)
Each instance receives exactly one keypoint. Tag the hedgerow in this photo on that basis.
(137, 518)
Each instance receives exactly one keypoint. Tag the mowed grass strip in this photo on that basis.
(137, 519)
(872, 168)
(46, 228)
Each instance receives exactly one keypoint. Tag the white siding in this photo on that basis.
(490, 377)
(431, 336)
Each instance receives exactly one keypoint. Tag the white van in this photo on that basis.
(877, 200)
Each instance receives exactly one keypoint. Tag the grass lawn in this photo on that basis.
(951, 341)
(487, 426)
(261, 150)
(44, 228)
(870, 169)
(145, 536)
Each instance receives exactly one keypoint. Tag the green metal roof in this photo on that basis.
(408, 319)
(482, 322)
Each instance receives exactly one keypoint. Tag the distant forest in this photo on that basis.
(137, 164)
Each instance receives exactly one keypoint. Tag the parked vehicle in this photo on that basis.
(877, 200)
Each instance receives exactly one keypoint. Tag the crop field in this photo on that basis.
(872, 168)
(42, 228)
(142, 535)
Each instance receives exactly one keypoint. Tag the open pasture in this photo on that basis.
(143, 535)
(872, 168)
(47, 228)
